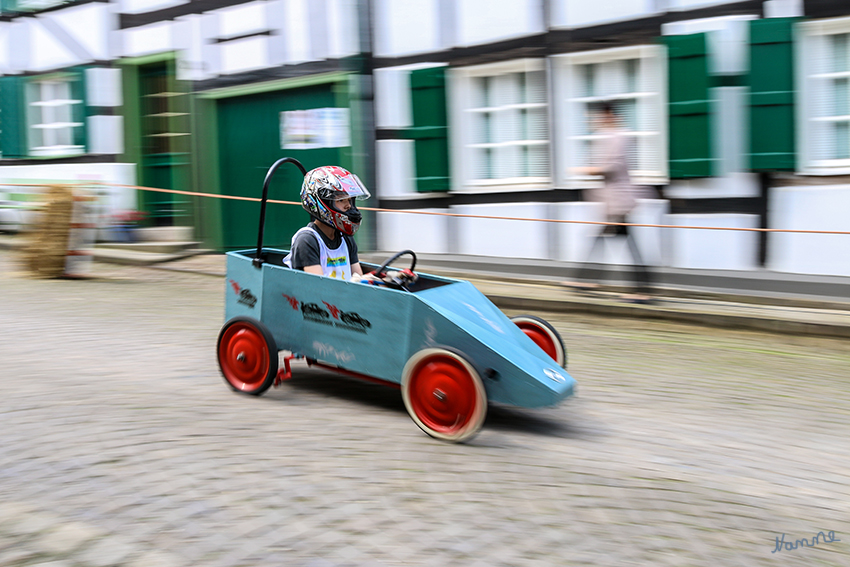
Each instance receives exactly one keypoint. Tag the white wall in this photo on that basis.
(392, 99)
(344, 38)
(502, 238)
(45, 51)
(296, 30)
(5, 68)
(242, 19)
(87, 25)
(810, 208)
(714, 249)
(105, 134)
(246, 54)
(426, 234)
(580, 13)
(483, 21)
(301, 31)
(144, 40)
(142, 6)
(396, 169)
(783, 9)
(733, 185)
(404, 28)
(57, 39)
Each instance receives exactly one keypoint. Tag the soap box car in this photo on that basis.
(440, 340)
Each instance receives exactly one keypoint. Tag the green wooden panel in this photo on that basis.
(78, 92)
(165, 141)
(249, 142)
(689, 106)
(12, 126)
(430, 131)
(424, 133)
(772, 139)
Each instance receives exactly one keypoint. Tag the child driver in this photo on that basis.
(325, 246)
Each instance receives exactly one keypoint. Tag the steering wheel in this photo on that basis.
(401, 283)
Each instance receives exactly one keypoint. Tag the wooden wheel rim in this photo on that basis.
(444, 394)
(543, 337)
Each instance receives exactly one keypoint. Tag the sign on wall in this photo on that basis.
(314, 128)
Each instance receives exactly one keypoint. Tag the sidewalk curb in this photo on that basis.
(721, 320)
(602, 306)
(629, 311)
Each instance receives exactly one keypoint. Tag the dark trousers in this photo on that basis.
(641, 276)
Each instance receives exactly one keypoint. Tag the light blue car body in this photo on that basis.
(373, 330)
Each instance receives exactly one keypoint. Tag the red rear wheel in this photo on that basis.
(544, 335)
(444, 395)
(247, 355)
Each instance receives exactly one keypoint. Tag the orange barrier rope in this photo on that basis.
(416, 212)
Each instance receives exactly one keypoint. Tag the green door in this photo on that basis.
(250, 141)
(165, 142)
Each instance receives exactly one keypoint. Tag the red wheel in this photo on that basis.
(247, 355)
(544, 335)
(444, 395)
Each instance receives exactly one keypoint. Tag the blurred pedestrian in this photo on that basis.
(610, 158)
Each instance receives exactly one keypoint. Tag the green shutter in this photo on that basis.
(78, 111)
(12, 126)
(772, 94)
(690, 106)
(429, 131)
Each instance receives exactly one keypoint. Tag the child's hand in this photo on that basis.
(365, 278)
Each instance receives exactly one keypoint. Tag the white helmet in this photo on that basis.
(324, 185)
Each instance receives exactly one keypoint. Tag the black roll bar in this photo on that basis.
(258, 260)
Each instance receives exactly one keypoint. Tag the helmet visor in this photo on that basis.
(349, 187)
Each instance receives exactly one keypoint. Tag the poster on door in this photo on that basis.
(314, 128)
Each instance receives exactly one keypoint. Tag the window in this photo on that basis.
(825, 108)
(51, 112)
(630, 79)
(502, 111)
(18, 6)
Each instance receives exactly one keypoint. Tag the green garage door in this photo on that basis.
(250, 139)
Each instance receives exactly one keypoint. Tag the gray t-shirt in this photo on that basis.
(305, 249)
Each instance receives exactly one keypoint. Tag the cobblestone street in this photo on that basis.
(121, 445)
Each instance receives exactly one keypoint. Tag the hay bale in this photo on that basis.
(47, 249)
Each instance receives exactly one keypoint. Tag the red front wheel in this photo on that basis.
(247, 355)
(444, 395)
(544, 335)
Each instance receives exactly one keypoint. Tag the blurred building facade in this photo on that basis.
(739, 112)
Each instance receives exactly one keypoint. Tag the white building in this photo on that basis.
(738, 111)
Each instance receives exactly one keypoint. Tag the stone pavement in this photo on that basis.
(121, 446)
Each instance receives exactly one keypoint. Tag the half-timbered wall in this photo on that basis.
(474, 106)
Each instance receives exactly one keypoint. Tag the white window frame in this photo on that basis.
(811, 42)
(571, 112)
(462, 124)
(50, 117)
